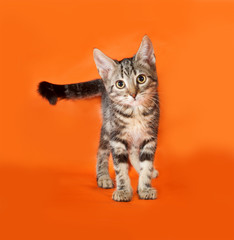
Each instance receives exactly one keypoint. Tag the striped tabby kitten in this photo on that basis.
(130, 109)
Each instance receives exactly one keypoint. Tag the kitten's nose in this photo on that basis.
(133, 95)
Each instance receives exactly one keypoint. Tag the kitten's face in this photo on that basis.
(132, 81)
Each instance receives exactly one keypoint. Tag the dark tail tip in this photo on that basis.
(46, 90)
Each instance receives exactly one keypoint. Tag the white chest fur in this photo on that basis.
(137, 127)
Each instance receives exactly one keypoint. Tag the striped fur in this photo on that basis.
(130, 118)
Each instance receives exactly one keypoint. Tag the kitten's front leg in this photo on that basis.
(145, 191)
(103, 177)
(123, 193)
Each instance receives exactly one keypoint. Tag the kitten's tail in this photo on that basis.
(52, 91)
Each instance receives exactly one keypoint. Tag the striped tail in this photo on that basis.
(53, 92)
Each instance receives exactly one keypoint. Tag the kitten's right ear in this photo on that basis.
(104, 64)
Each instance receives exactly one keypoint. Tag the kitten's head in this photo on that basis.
(131, 81)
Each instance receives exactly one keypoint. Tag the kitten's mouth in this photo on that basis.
(135, 102)
(130, 101)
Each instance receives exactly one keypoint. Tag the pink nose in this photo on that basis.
(133, 95)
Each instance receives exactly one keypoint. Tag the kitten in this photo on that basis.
(130, 109)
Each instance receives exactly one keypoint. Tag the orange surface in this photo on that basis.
(47, 153)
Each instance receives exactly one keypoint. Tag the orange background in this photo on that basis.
(47, 153)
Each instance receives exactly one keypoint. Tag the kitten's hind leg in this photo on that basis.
(135, 161)
(103, 177)
(134, 158)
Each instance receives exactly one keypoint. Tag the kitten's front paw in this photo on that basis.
(105, 182)
(154, 173)
(147, 193)
(122, 195)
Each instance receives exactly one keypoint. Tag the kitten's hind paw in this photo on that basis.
(105, 182)
(154, 173)
(147, 193)
(122, 195)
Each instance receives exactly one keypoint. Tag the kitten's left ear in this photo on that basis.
(145, 54)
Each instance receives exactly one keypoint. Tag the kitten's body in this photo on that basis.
(130, 117)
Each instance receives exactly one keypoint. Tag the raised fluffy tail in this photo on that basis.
(52, 91)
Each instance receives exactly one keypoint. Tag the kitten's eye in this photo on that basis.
(120, 84)
(141, 78)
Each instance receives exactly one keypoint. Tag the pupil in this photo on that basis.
(141, 78)
(120, 83)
